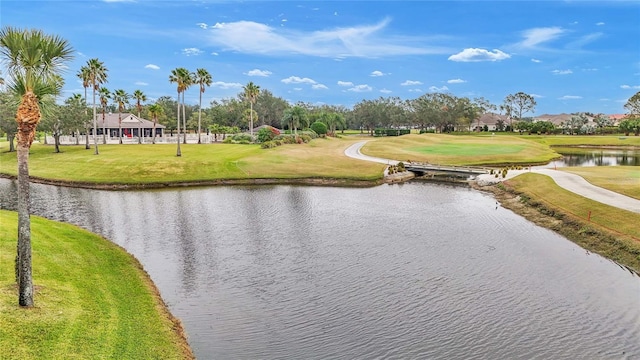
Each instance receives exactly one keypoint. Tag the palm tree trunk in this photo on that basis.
(251, 120)
(104, 130)
(184, 119)
(120, 128)
(86, 140)
(28, 116)
(154, 131)
(178, 153)
(199, 117)
(95, 123)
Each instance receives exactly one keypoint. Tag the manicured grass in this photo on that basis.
(621, 179)
(92, 300)
(586, 140)
(147, 163)
(623, 242)
(460, 150)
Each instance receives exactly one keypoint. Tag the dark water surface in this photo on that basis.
(574, 156)
(410, 271)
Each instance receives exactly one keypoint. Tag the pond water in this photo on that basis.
(405, 271)
(574, 156)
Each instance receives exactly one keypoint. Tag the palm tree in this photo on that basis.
(181, 77)
(32, 59)
(202, 78)
(155, 110)
(97, 76)
(104, 95)
(140, 97)
(85, 76)
(188, 79)
(294, 116)
(120, 98)
(251, 92)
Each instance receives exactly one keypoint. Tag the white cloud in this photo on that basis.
(630, 86)
(599, 23)
(416, 90)
(298, 80)
(81, 54)
(360, 88)
(438, 89)
(456, 81)
(536, 96)
(590, 69)
(226, 85)
(411, 83)
(354, 41)
(152, 67)
(203, 25)
(562, 72)
(386, 91)
(475, 54)
(258, 72)
(140, 83)
(345, 83)
(536, 60)
(319, 87)
(536, 36)
(191, 51)
(214, 53)
(376, 73)
(570, 97)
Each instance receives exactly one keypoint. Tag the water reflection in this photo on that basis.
(401, 271)
(597, 157)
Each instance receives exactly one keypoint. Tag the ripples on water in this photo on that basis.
(410, 271)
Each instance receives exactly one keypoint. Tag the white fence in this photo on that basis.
(166, 139)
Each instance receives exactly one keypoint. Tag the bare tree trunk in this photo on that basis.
(86, 145)
(10, 138)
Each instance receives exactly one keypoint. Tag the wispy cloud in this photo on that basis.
(298, 80)
(475, 55)
(536, 96)
(630, 86)
(226, 85)
(536, 60)
(386, 91)
(411, 83)
(570, 97)
(456, 81)
(345, 83)
(360, 88)
(191, 51)
(355, 41)
(562, 72)
(319, 87)
(377, 73)
(140, 83)
(152, 67)
(438, 89)
(599, 23)
(258, 72)
(203, 25)
(536, 36)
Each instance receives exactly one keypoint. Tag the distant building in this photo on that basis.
(490, 120)
(130, 124)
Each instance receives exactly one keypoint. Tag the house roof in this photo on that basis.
(491, 119)
(129, 121)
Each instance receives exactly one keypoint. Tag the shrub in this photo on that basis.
(319, 128)
(401, 167)
(268, 144)
(305, 138)
(310, 133)
(267, 133)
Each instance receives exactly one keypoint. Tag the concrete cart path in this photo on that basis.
(565, 180)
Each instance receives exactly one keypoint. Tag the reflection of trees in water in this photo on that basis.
(602, 158)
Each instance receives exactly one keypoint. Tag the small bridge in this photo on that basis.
(425, 168)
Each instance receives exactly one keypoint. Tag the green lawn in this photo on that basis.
(621, 179)
(92, 300)
(460, 150)
(147, 163)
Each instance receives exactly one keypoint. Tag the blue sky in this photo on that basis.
(570, 55)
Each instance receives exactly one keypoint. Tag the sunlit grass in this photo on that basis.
(92, 300)
(460, 150)
(147, 163)
(621, 179)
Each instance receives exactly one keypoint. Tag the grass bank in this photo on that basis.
(599, 228)
(157, 164)
(461, 150)
(621, 179)
(93, 300)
